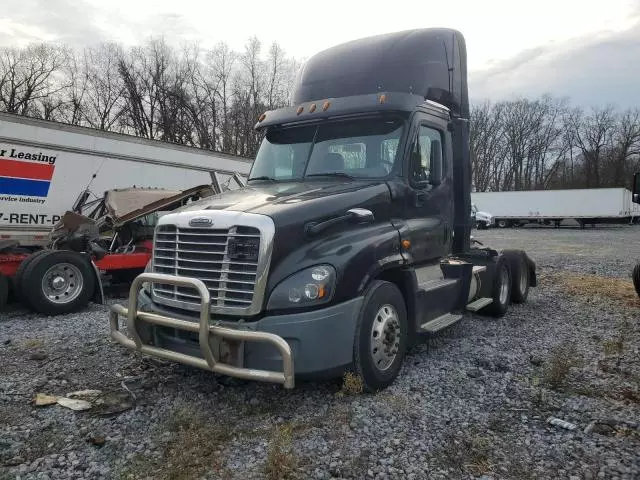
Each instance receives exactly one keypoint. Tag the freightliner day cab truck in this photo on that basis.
(351, 239)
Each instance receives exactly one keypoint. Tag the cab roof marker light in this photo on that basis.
(300, 110)
(312, 108)
(326, 106)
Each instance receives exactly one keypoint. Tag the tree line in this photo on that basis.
(211, 99)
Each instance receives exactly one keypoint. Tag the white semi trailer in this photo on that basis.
(586, 206)
(45, 166)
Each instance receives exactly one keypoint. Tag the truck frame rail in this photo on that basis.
(205, 331)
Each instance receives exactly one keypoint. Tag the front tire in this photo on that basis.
(636, 278)
(381, 336)
(58, 282)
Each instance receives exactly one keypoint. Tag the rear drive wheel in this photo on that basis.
(636, 278)
(381, 336)
(520, 275)
(501, 289)
(58, 282)
(501, 223)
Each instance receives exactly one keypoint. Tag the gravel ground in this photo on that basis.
(471, 403)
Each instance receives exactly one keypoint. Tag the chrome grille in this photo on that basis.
(210, 255)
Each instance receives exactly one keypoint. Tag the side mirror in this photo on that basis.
(361, 215)
(435, 167)
(635, 193)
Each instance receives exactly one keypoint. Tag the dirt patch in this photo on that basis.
(620, 290)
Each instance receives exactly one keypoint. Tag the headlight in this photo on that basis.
(309, 287)
(146, 286)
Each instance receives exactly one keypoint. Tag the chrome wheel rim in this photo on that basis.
(504, 286)
(385, 337)
(62, 283)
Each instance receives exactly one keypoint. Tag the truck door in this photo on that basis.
(429, 203)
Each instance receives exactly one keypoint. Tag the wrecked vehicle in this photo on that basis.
(99, 242)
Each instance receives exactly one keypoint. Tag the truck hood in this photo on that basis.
(292, 205)
(298, 201)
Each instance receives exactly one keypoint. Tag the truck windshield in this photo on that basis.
(363, 148)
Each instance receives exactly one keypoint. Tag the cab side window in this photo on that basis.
(426, 158)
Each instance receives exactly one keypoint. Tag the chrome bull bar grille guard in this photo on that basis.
(202, 328)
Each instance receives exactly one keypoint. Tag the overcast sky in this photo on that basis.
(589, 51)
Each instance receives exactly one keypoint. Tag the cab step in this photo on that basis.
(479, 304)
(431, 285)
(440, 323)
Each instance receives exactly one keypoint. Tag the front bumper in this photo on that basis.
(265, 350)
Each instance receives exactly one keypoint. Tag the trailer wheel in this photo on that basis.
(381, 336)
(636, 278)
(18, 287)
(501, 289)
(58, 282)
(4, 291)
(520, 275)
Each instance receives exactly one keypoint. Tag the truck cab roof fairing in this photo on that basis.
(387, 63)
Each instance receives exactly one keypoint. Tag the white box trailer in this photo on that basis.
(45, 166)
(586, 206)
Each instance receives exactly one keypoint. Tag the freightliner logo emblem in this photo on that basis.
(200, 222)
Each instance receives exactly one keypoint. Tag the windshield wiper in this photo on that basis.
(264, 177)
(331, 174)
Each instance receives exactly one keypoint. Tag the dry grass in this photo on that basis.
(620, 290)
(31, 343)
(195, 449)
(351, 384)
(562, 359)
(281, 461)
(470, 453)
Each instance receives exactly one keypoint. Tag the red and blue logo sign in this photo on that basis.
(25, 178)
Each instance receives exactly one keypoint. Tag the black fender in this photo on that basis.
(359, 253)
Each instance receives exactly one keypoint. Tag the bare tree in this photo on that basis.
(593, 135)
(29, 76)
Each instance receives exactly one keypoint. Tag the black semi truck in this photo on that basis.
(351, 240)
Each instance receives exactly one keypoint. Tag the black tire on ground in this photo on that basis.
(520, 275)
(383, 306)
(501, 223)
(4, 291)
(501, 289)
(18, 288)
(59, 282)
(481, 225)
(636, 278)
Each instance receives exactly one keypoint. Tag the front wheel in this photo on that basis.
(58, 282)
(636, 278)
(381, 336)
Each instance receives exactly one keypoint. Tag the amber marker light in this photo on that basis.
(406, 244)
(262, 117)
(312, 108)
(300, 109)
(383, 98)
(326, 106)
